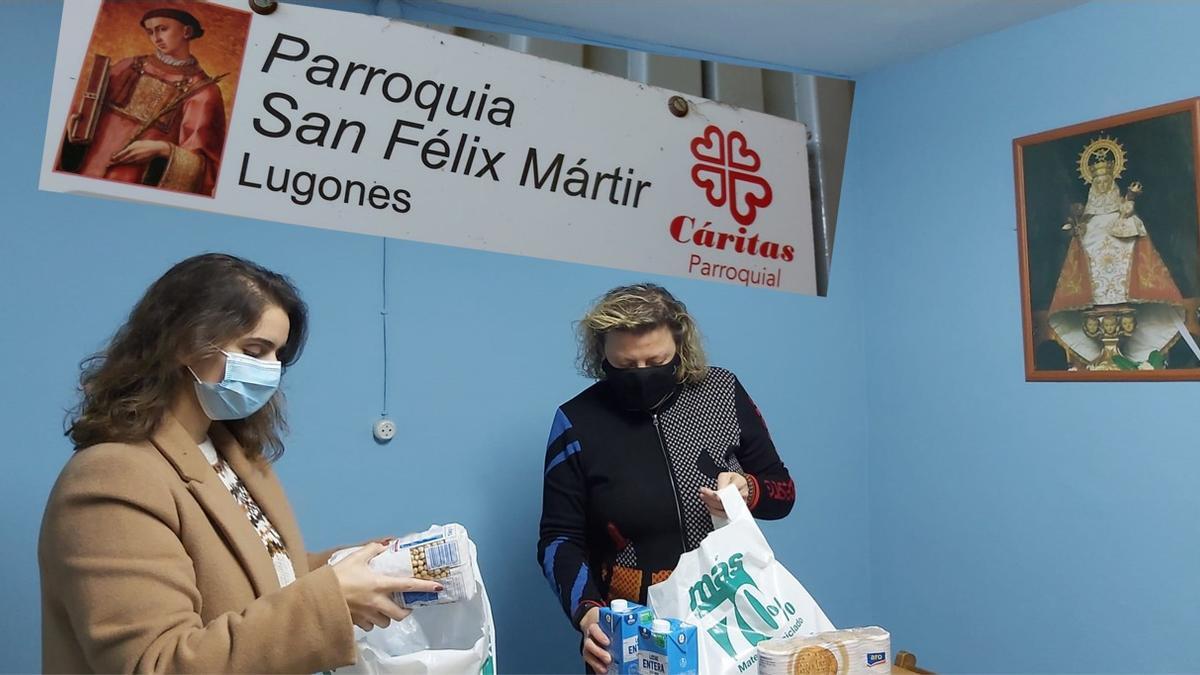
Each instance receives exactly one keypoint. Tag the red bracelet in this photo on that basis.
(752, 486)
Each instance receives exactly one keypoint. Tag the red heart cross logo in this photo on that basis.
(727, 171)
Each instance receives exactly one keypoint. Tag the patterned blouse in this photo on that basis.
(270, 537)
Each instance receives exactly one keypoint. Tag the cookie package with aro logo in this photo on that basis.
(853, 651)
(442, 554)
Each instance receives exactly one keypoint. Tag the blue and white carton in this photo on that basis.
(620, 622)
(668, 647)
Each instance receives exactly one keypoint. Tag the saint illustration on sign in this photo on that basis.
(1115, 303)
(154, 118)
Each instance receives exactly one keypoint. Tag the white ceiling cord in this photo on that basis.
(383, 313)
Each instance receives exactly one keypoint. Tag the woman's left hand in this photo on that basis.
(713, 502)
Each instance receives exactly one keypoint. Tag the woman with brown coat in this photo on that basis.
(168, 543)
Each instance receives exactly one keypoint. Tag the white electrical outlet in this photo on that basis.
(384, 430)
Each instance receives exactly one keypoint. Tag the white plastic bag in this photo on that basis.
(736, 594)
(450, 639)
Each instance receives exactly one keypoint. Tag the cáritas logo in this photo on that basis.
(727, 170)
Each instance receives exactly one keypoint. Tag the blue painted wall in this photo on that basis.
(993, 525)
(480, 352)
(1016, 527)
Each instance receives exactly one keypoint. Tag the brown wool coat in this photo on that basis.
(148, 564)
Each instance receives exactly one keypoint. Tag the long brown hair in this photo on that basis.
(188, 313)
(640, 308)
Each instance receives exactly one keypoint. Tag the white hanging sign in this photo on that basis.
(364, 124)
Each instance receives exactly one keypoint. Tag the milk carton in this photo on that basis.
(668, 647)
(620, 622)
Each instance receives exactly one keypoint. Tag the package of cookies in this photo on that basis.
(853, 651)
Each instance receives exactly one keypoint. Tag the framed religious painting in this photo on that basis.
(1109, 234)
(155, 94)
(1108, 218)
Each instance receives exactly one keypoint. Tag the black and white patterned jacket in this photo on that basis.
(621, 497)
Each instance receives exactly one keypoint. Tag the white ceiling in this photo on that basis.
(843, 37)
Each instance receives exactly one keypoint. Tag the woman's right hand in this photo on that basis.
(595, 643)
(368, 593)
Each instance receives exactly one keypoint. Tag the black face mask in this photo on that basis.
(643, 389)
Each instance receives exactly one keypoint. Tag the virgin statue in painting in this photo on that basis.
(1115, 302)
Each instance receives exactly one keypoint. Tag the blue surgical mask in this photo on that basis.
(248, 385)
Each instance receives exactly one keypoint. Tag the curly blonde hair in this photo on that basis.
(640, 308)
